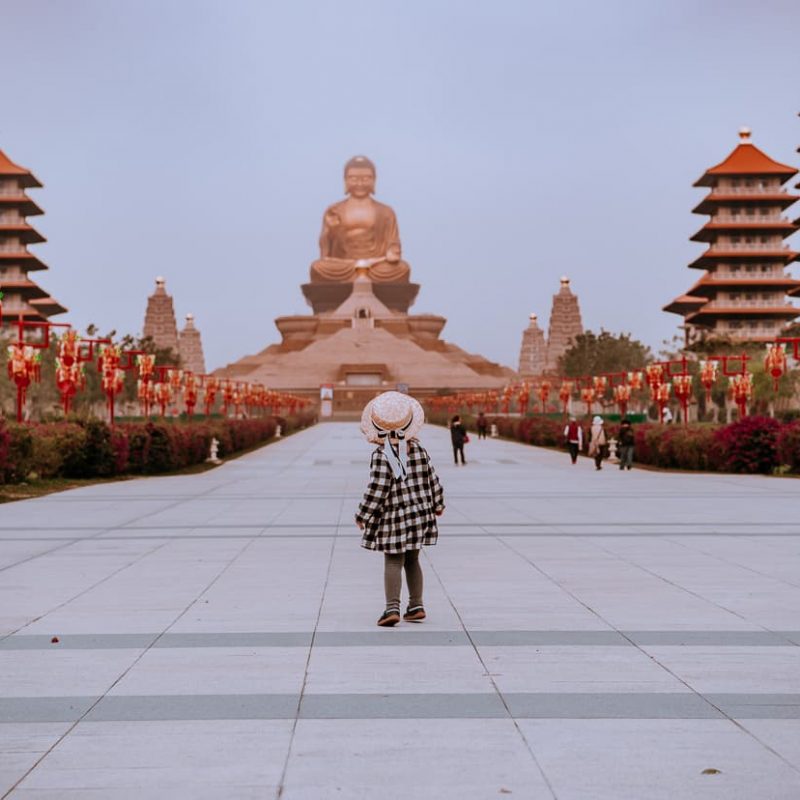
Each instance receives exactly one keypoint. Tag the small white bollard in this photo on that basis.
(278, 432)
(493, 432)
(213, 456)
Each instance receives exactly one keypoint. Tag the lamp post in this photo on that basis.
(622, 395)
(654, 375)
(682, 386)
(742, 386)
(708, 377)
(210, 388)
(24, 362)
(565, 395)
(544, 393)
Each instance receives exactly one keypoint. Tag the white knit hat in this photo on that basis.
(391, 413)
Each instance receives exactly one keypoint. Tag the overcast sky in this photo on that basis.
(516, 141)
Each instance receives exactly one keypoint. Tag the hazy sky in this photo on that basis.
(517, 141)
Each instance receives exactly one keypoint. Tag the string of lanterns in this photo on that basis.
(663, 379)
(167, 388)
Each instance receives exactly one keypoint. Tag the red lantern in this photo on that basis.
(708, 376)
(662, 398)
(742, 389)
(23, 368)
(544, 393)
(189, 392)
(622, 394)
(682, 386)
(210, 388)
(565, 394)
(775, 363)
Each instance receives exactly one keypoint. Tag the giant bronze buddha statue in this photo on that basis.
(359, 235)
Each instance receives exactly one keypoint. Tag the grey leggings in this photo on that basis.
(392, 578)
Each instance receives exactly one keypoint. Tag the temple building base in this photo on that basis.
(364, 347)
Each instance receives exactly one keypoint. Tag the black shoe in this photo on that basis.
(389, 618)
(414, 614)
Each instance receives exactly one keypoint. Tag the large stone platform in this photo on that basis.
(592, 635)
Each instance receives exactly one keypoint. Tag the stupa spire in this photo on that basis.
(159, 319)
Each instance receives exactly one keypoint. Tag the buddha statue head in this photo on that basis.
(359, 177)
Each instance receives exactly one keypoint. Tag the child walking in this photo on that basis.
(403, 499)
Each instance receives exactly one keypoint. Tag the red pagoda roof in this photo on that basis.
(713, 254)
(26, 233)
(746, 159)
(685, 304)
(47, 306)
(28, 261)
(9, 169)
(708, 233)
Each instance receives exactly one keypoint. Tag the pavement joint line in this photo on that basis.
(520, 733)
(718, 557)
(415, 638)
(299, 706)
(401, 705)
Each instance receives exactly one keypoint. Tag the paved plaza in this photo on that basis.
(591, 635)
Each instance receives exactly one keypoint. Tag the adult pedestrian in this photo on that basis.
(626, 444)
(482, 424)
(402, 501)
(598, 442)
(459, 437)
(573, 434)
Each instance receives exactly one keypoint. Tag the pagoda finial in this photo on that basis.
(160, 282)
(565, 281)
(744, 135)
(533, 317)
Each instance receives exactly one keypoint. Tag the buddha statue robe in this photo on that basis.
(359, 232)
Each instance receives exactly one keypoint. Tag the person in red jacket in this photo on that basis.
(573, 433)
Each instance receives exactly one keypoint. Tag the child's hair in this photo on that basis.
(455, 419)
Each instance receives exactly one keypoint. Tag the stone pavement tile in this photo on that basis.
(630, 598)
(494, 588)
(264, 591)
(657, 760)
(237, 759)
(70, 571)
(15, 552)
(211, 670)
(61, 673)
(420, 759)
(782, 735)
(146, 596)
(774, 556)
(21, 746)
(733, 669)
(760, 599)
(548, 668)
(410, 669)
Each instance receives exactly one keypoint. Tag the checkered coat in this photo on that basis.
(400, 515)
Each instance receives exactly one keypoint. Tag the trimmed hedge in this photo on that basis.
(91, 449)
(751, 445)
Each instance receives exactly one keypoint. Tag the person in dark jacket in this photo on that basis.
(482, 424)
(458, 435)
(626, 443)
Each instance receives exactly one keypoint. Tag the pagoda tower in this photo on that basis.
(533, 353)
(159, 319)
(565, 325)
(190, 347)
(22, 296)
(742, 294)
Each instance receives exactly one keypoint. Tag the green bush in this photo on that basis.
(90, 449)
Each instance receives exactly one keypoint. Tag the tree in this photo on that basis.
(591, 354)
